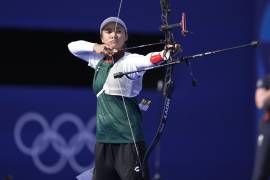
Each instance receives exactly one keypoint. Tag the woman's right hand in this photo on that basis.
(103, 49)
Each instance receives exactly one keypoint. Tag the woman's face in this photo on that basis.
(114, 35)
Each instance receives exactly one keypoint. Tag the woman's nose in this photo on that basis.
(113, 35)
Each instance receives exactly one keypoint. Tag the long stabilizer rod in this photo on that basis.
(180, 60)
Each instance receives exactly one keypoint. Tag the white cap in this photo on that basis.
(112, 19)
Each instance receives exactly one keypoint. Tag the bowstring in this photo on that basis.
(123, 100)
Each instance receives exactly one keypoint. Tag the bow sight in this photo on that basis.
(182, 24)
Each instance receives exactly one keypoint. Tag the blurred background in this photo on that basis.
(47, 107)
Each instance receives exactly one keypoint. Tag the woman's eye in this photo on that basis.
(109, 31)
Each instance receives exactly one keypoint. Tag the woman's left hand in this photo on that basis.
(175, 48)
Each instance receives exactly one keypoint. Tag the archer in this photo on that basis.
(120, 144)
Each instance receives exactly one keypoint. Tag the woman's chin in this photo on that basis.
(115, 46)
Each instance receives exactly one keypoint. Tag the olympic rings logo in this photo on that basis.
(50, 136)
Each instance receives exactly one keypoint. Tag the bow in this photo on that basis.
(168, 81)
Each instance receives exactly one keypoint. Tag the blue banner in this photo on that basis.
(46, 131)
(49, 133)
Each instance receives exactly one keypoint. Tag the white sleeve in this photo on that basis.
(134, 62)
(85, 51)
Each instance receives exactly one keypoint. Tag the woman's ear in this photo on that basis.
(126, 37)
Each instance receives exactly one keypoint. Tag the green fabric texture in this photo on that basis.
(112, 123)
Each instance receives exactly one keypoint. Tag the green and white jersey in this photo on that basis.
(112, 123)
